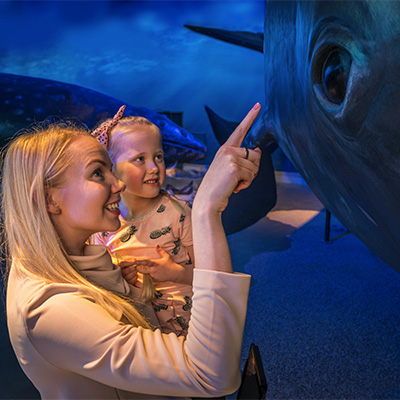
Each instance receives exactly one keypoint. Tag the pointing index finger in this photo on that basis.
(240, 132)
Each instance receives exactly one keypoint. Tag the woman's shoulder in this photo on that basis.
(27, 296)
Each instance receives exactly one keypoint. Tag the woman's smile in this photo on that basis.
(113, 208)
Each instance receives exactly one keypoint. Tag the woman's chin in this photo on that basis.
(112, 226)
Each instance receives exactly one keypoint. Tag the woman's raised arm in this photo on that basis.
(232, 170)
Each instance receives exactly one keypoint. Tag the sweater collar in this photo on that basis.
(96, 266)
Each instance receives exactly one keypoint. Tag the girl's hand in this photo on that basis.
(163, 268)
(232, 169)
(129, 272)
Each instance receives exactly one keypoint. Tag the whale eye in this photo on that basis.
(335, 74)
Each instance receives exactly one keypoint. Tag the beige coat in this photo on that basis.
(70, 348)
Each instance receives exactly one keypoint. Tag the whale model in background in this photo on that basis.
(250, 40)
(24, 100)
(332, 84)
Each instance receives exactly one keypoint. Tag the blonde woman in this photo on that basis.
(75, 324)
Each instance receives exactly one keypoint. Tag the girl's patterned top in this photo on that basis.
(169, 225)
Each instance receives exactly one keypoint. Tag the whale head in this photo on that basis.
(332, 84)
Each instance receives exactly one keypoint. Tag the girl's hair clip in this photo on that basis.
(102, 132)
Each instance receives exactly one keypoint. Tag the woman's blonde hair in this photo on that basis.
(125, 126)
(34, 161)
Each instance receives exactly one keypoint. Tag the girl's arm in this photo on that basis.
(164, 268)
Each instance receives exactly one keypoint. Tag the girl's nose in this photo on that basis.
(152, 165)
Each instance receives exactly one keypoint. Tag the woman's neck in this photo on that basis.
(72, 244)
(76, 248)
(140, 207)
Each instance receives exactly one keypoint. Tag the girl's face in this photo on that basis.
(87, 201)
(140, 163)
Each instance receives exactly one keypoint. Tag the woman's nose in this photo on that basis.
(118, 185)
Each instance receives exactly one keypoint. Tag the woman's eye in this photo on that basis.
(335, 73)
(98, 173)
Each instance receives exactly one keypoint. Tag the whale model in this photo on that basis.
(24, 100)
(332, 84)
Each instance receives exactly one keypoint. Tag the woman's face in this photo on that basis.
(87, 201)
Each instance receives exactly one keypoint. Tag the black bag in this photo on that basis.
(254, 385)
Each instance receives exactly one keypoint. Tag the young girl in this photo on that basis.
(156, 230)
(73, 323)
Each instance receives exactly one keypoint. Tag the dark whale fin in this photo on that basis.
(254, 41)
(250, 205)
(222, 128)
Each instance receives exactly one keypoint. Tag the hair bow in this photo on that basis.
(102, 132)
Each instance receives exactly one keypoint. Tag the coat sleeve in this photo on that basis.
(78, 336)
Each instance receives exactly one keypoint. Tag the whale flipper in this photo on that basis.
(222, 128)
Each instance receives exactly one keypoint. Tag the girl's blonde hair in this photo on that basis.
(33, 162)
(127, 125)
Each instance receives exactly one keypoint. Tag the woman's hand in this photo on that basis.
(232, 169)
(164, 268)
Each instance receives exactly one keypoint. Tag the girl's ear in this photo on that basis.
(52, 205)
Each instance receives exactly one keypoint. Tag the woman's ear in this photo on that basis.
(51, 204)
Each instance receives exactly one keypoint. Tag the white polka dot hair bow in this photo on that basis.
(102, 132)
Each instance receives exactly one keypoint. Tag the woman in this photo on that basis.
(76, 326)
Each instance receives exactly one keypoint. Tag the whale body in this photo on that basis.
(25, 100)
(332, 85)
(333, 104)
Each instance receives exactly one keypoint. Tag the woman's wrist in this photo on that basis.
(205, 208)
(211, 250)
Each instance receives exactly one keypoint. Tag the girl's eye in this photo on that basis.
(139, 159)
(160, 157)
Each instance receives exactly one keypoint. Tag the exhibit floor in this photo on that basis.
(326, 317)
